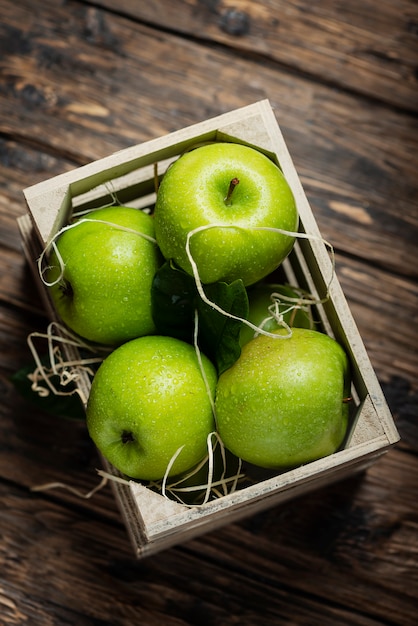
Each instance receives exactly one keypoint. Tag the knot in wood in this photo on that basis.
(235, 22)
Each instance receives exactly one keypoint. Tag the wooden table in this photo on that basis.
(80, 80)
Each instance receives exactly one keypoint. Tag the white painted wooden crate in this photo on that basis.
(154, 522)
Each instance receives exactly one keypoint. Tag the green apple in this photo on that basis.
(149, 399)
(104, 293)
(268, 303)
(284, 401)
(229, 185)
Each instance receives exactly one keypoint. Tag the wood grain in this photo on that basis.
(349, 45)
(79, 81)
(338, 530)
(360, 146)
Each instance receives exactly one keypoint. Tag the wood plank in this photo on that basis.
(347, 44)
(354, 157)
(77, 83)
(84, 567)
(41, 450)
(353, 541)
(384, 306)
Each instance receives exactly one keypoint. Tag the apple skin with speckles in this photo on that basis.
(194, 193)
(104, 292)
(285, 400)
(148, 399)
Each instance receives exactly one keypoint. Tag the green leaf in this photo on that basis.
(173, 296)
(219, 334)
(68, 406)
(175, 299)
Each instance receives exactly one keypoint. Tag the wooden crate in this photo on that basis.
(154, 522)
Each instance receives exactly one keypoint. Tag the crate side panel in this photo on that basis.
(306, 477)
(196, 522)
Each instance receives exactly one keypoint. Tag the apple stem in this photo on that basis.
(228, 198)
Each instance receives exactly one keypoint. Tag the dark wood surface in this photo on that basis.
(80, 80)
